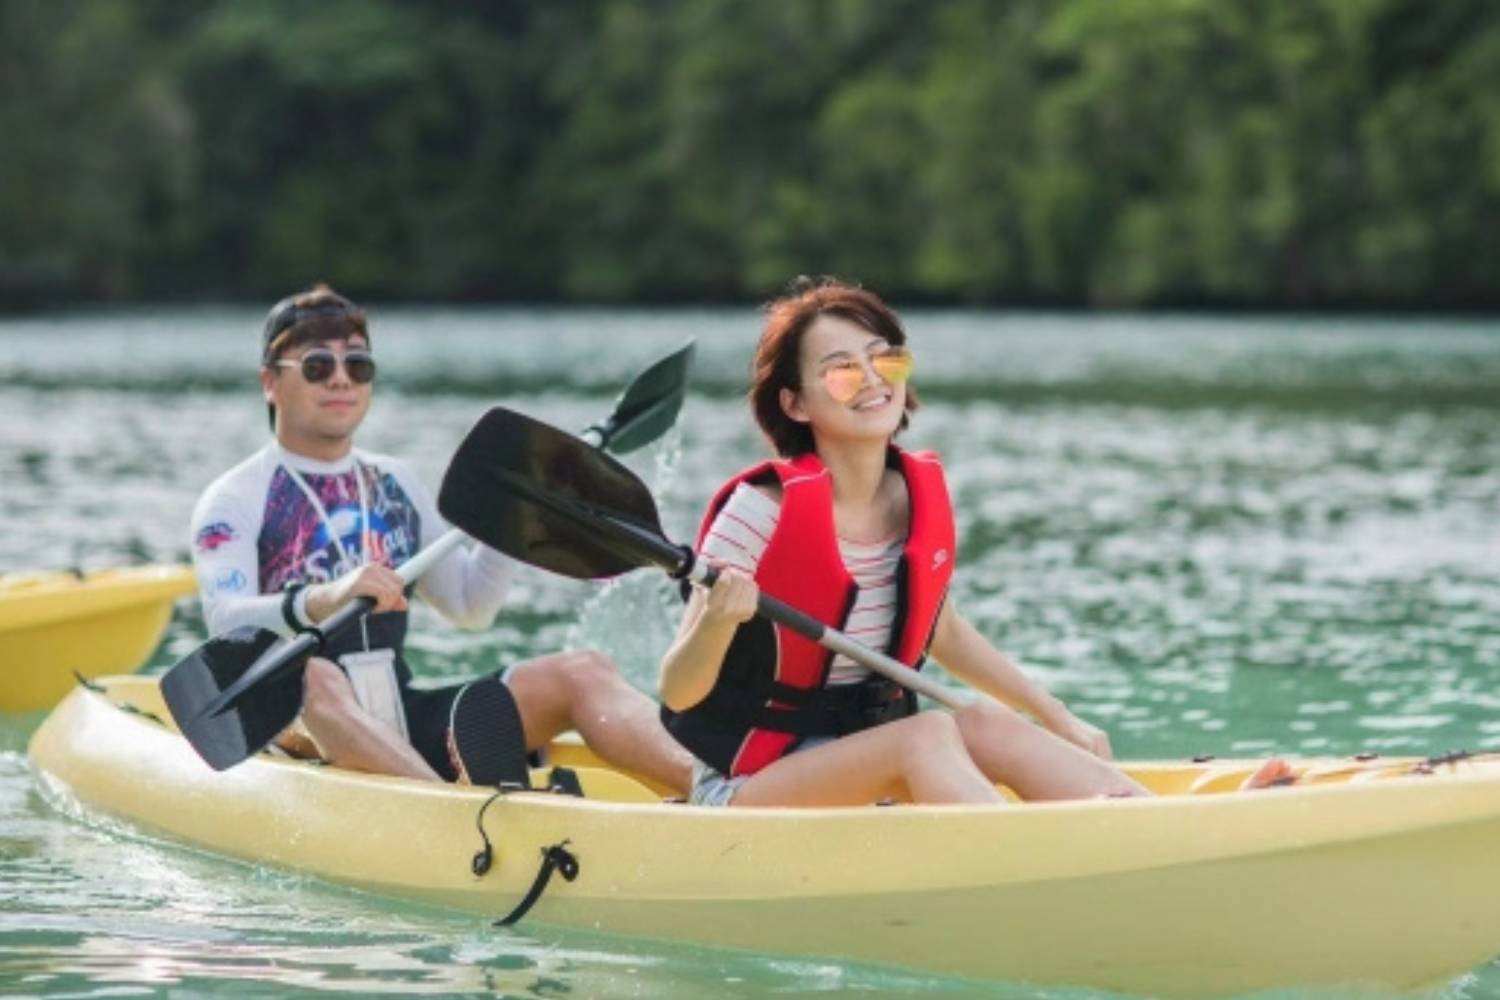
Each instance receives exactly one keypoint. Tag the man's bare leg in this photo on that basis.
(583, 690)
(348, 736)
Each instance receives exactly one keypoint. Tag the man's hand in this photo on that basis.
(380, 582)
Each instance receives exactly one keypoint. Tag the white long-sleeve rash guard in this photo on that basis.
(254, 531)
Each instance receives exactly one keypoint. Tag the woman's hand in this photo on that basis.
(379, 582)
(691, 665)
(1084, 734)
(732, 598)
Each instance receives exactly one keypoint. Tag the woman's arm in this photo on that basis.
(972, 658)
(734, 543)
(691, 665)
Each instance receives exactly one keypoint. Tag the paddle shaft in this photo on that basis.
(805, 625)
(685, 564)
(290, 655)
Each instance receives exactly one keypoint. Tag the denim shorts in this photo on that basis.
(712, 787)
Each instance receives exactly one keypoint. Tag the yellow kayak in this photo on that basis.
(1372, 874)
(53, 624)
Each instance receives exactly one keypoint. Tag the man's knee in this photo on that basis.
(549, 688)
(587, 670)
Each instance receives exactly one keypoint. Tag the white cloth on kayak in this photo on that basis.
(255, 530)
(738, 537)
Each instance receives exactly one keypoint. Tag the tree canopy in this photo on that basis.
(1118, 153)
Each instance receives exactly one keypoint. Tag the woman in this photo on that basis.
(851, 529)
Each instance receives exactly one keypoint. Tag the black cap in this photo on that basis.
(317, 302)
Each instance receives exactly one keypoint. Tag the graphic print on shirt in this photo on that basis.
(296, 546)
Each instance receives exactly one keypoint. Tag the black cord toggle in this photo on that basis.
(485, 856)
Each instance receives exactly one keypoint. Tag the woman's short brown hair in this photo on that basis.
(777, 362)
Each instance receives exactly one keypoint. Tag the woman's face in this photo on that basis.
(841, 394)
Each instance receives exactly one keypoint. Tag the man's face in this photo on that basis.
(321, 412)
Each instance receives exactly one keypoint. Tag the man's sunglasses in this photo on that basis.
(319, 364)
(845, 378)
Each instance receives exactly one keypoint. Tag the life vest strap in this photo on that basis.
(836, 711)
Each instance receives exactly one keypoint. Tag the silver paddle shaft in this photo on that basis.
(704, 575)
(413, 569)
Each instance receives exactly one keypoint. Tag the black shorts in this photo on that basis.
(428, 711)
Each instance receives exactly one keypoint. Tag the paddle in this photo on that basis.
(542, 497)
(232, 695)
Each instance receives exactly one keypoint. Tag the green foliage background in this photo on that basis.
(1265, 153)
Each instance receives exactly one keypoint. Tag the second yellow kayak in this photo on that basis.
(55, 624)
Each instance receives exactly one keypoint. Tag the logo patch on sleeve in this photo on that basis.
(229, 579)
(212, 536)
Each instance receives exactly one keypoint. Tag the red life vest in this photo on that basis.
(771, 690)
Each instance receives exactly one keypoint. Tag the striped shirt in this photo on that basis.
(738, 538)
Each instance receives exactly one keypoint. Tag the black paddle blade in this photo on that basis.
(544, 497)
(649, 405)
(224, 738)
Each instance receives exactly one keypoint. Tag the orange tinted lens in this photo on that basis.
(894, 365)
(844, 381)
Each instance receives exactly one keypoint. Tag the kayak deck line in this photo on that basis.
(54, 625)
(1375, 878)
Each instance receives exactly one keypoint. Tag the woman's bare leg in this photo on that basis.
(1272, 774)
(1037, 764)
(923, 754)
(583, 690)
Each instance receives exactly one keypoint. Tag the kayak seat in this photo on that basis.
(599, 783)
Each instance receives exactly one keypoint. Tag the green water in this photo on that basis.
(1209, 535)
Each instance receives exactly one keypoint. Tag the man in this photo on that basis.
(310, 522)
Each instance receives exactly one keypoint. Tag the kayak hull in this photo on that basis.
(1384, 882)
(56, 625)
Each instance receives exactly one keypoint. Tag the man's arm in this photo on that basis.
(228, 567)
(468, 587)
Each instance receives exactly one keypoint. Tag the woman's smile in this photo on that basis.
(877, 400)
